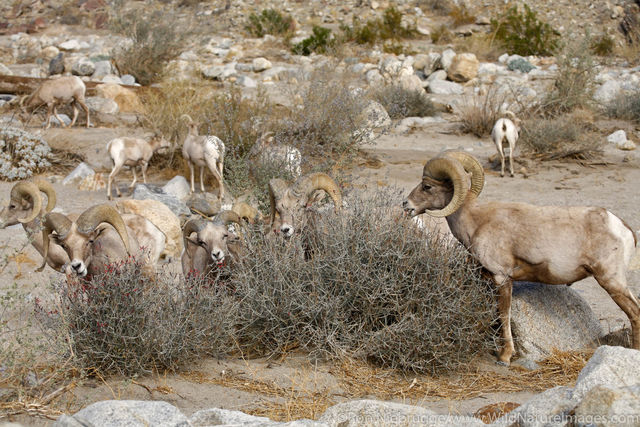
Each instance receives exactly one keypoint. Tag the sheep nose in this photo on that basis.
(217, 254)
(285, 229)
(76, 265)
(405, 203)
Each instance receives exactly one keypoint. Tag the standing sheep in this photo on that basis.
(506, 131)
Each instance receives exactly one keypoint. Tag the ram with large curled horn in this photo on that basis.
(519, 241)
(26, 207)
(289, 201)
(101, 236)
(209, 243)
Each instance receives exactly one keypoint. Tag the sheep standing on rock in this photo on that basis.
(506, 131)
(519, 241)
(132, 152)
(60, 91)
(203, 151)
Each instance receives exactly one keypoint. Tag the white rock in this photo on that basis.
(112, 413)
(374, 77)
(128, 79)
(215, 417)
(83, 67)
(608, 91)
(617, 137)
(246, 81)
(446, 58)
(610, 367)
(260, 64)
(102, 105)
(443, 87)
(111, 78)
(437, 75)
(503, 58)
(177, 187)
(72, 44)
(81, 171)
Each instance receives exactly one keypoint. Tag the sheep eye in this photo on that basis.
(225, 236)
(426, 187)
(12, 206)
(200, 242)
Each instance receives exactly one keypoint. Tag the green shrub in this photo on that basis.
(558, 138)
(270, 21)
(524, 34)
(603, 45)
(401, 102)
(320, 41)
(374, 30)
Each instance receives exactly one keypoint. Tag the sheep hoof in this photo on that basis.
(502, 363)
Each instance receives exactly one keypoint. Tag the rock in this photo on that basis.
(102, 68)
(411, 82)
(177, 186)
(56, 65)
(610, 407)
(219, 72)
(66, 120)
(549, 408)
(626, 146)
(146, 191)
(463, 67)
(493, 411)
(610, 367)
(607, 92)
(216, 417)
(374, 77)
(83, 67)
(409, 123)
(111, 78)
(4, 70)
(372, 412)
(420, 61)
(128, 79)
(162, 217)
(72, 44)
(260, 64)
(390, 66)
(204, 203)
(132, 413)
(443, 87)
(545, 317)
(127, 100)
(81, 171)
(374, 121)
(49, 52)
(102, 105)
(617, 137)
(437, 75)
(246, 81)
(433, 63)
(446, 58)
(93, 182)
(520, 64)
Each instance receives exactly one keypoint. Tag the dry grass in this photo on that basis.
(479, 113)
(63, 161)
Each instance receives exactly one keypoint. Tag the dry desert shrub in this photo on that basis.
(401, 102)
(625, 106)
(479, 112)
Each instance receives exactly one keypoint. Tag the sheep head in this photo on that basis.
(289, 201)
(24, 205)
(247, 212)
(444, 186)
(212, 236)
(77, 238)
(191, 125)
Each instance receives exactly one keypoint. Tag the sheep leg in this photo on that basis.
(112, 176)
(50, 109)
(55, 113)
(191, 169)
(86, 110)
(135, 178)
(202, 179)
(75, 114)
(218, 178)
(511, 159)
(617, 288)
(143, 168)
(505, 288)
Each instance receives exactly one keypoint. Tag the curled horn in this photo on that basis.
(92, 217)
(306, 185)
(46, 187)
(277, 187)
(472, 165)
(510, 114)
(24, 190)
(188, 118)
(226, 217)
(193, 225)
(443, 168)
(53, 222)
(246, 211)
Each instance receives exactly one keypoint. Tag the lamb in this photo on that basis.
(132, 152)
(266, 153)
(63, 90)
(289, 201)
(25, 207)
(506, 131)
(209, 244)
(518, 241)
(91, 247)
(203, 151)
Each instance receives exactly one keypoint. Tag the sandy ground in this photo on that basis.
(612, 185)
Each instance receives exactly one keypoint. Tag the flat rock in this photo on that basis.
(609, 366)
(147, 191)
(131, 413)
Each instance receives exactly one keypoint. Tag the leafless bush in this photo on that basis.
(558, 138)
(625, 106)
(479, 113)
(401, 102)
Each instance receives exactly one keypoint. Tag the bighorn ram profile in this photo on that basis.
(91, 244)
(208, 244)
(132, 152)
(518, 241)
(506, 131)
(25, 207)
(204, 151)
(289, 201)
(60, 91)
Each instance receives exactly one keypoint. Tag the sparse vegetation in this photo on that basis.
(523, 33)
(479, 113)
(401, 102)
(603, 45)
(440, 7)
(380, 29)
(562, 137)
(269, 21)
(442, 35)
(320, 42)
(461, 15)
(22, 154)
(625, 106)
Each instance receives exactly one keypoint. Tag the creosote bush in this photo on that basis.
(379, 29)
(523, 33)
(401, 102)
(320, 41)
(269, 21)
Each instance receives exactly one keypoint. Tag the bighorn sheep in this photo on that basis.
(247, 212)
(266, 153)
(518, 241)
(506, 131)
(211, 245)
(290, 200)
(25, 206)
(63, 90)
(203, 151)
(91, 247)
(132, 152)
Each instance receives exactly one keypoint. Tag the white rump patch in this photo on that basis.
(618, 228)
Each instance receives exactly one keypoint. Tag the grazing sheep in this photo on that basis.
(266, 153)
(25, 207)
(506, 131)
(289, 201)
(203, 151)
(132, 152)
(209, 244)
(91, 246)
(60, 91)
(519, 241)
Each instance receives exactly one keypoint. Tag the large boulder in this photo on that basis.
(217, 417)
(611, 367)
(177, 186)
(127, 100)
(610, 407)
(463, 68)
(102, 105)
(162, 217)
(83, 67)
(131, 413)
(77, 175)
(550, 408)
(548, 317)
(374, 121)
(444, 87)
(152, 192)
